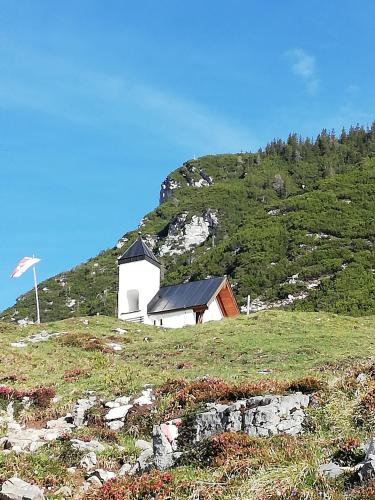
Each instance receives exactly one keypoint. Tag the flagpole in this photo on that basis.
(36, 297)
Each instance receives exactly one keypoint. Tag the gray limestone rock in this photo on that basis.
(125, 469)
(88, 462)
(370, 449)
(143, 445)
(88, 446)
(102, 475)
(17, 489)
(144, 462)
(118, 413)
(211, 422)
(330, 470)
(367, 471)
(115, 425)
(78, 416)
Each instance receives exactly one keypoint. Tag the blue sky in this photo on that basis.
(100, 100)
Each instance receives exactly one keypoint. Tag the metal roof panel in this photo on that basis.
(184, 296)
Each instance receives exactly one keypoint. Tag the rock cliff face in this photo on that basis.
(183, 234)
(167, 188)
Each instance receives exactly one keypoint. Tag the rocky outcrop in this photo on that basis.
(260, 416)
(184, 235)
(82, 406)
(164, 441)
(257, 416)
(21, 439)
(366, 469)
(167, 188)
(120, 407)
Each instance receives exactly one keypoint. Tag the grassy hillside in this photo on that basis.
(288, 345)
(270, 345)
(295, 221)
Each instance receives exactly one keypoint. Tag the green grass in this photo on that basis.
(287, 345)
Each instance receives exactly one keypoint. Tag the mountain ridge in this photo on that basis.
(290, 225)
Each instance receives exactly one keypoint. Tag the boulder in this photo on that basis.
(256, 416)
(88, 462)
(370, 449)
(367, 471)
(112, 404)
(125, 469)
(88, 446)
(17, 489)
(122, 400)
(330, 470)
(78, 416)
(115, 425)
(146, 397)
(102, 475)
(118, 413)
(164, 440)
(143, 445)
(144, 462)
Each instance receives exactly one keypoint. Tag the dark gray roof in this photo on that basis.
(185, 296)
(138, 251)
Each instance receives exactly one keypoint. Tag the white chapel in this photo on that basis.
(141, 299)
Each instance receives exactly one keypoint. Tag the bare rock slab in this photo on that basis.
(17, 489)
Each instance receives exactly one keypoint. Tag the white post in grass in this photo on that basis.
(36, 296)
(248, 306)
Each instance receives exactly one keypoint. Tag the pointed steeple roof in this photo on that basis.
(138, 251)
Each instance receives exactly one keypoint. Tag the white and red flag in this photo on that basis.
(23, 265)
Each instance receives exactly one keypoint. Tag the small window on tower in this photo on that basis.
(133, 300)
(161, 322)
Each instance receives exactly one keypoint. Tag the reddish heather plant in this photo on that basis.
(187, 394)
(156, 485)
(230, 448)
(41, 396)
(349, 452)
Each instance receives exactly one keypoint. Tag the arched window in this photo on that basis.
(133, 300)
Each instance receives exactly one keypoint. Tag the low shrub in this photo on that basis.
(349, 452)
(237, 454)
(84, 340)
(64, 453)
(188, 394)
(154, 485)
(365, 411)
(307, 385)
(140, 420)
(95, 416)
(40, 396)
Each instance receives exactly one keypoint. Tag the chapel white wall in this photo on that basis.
(140, 275)
(213, 313)
(173, 319)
